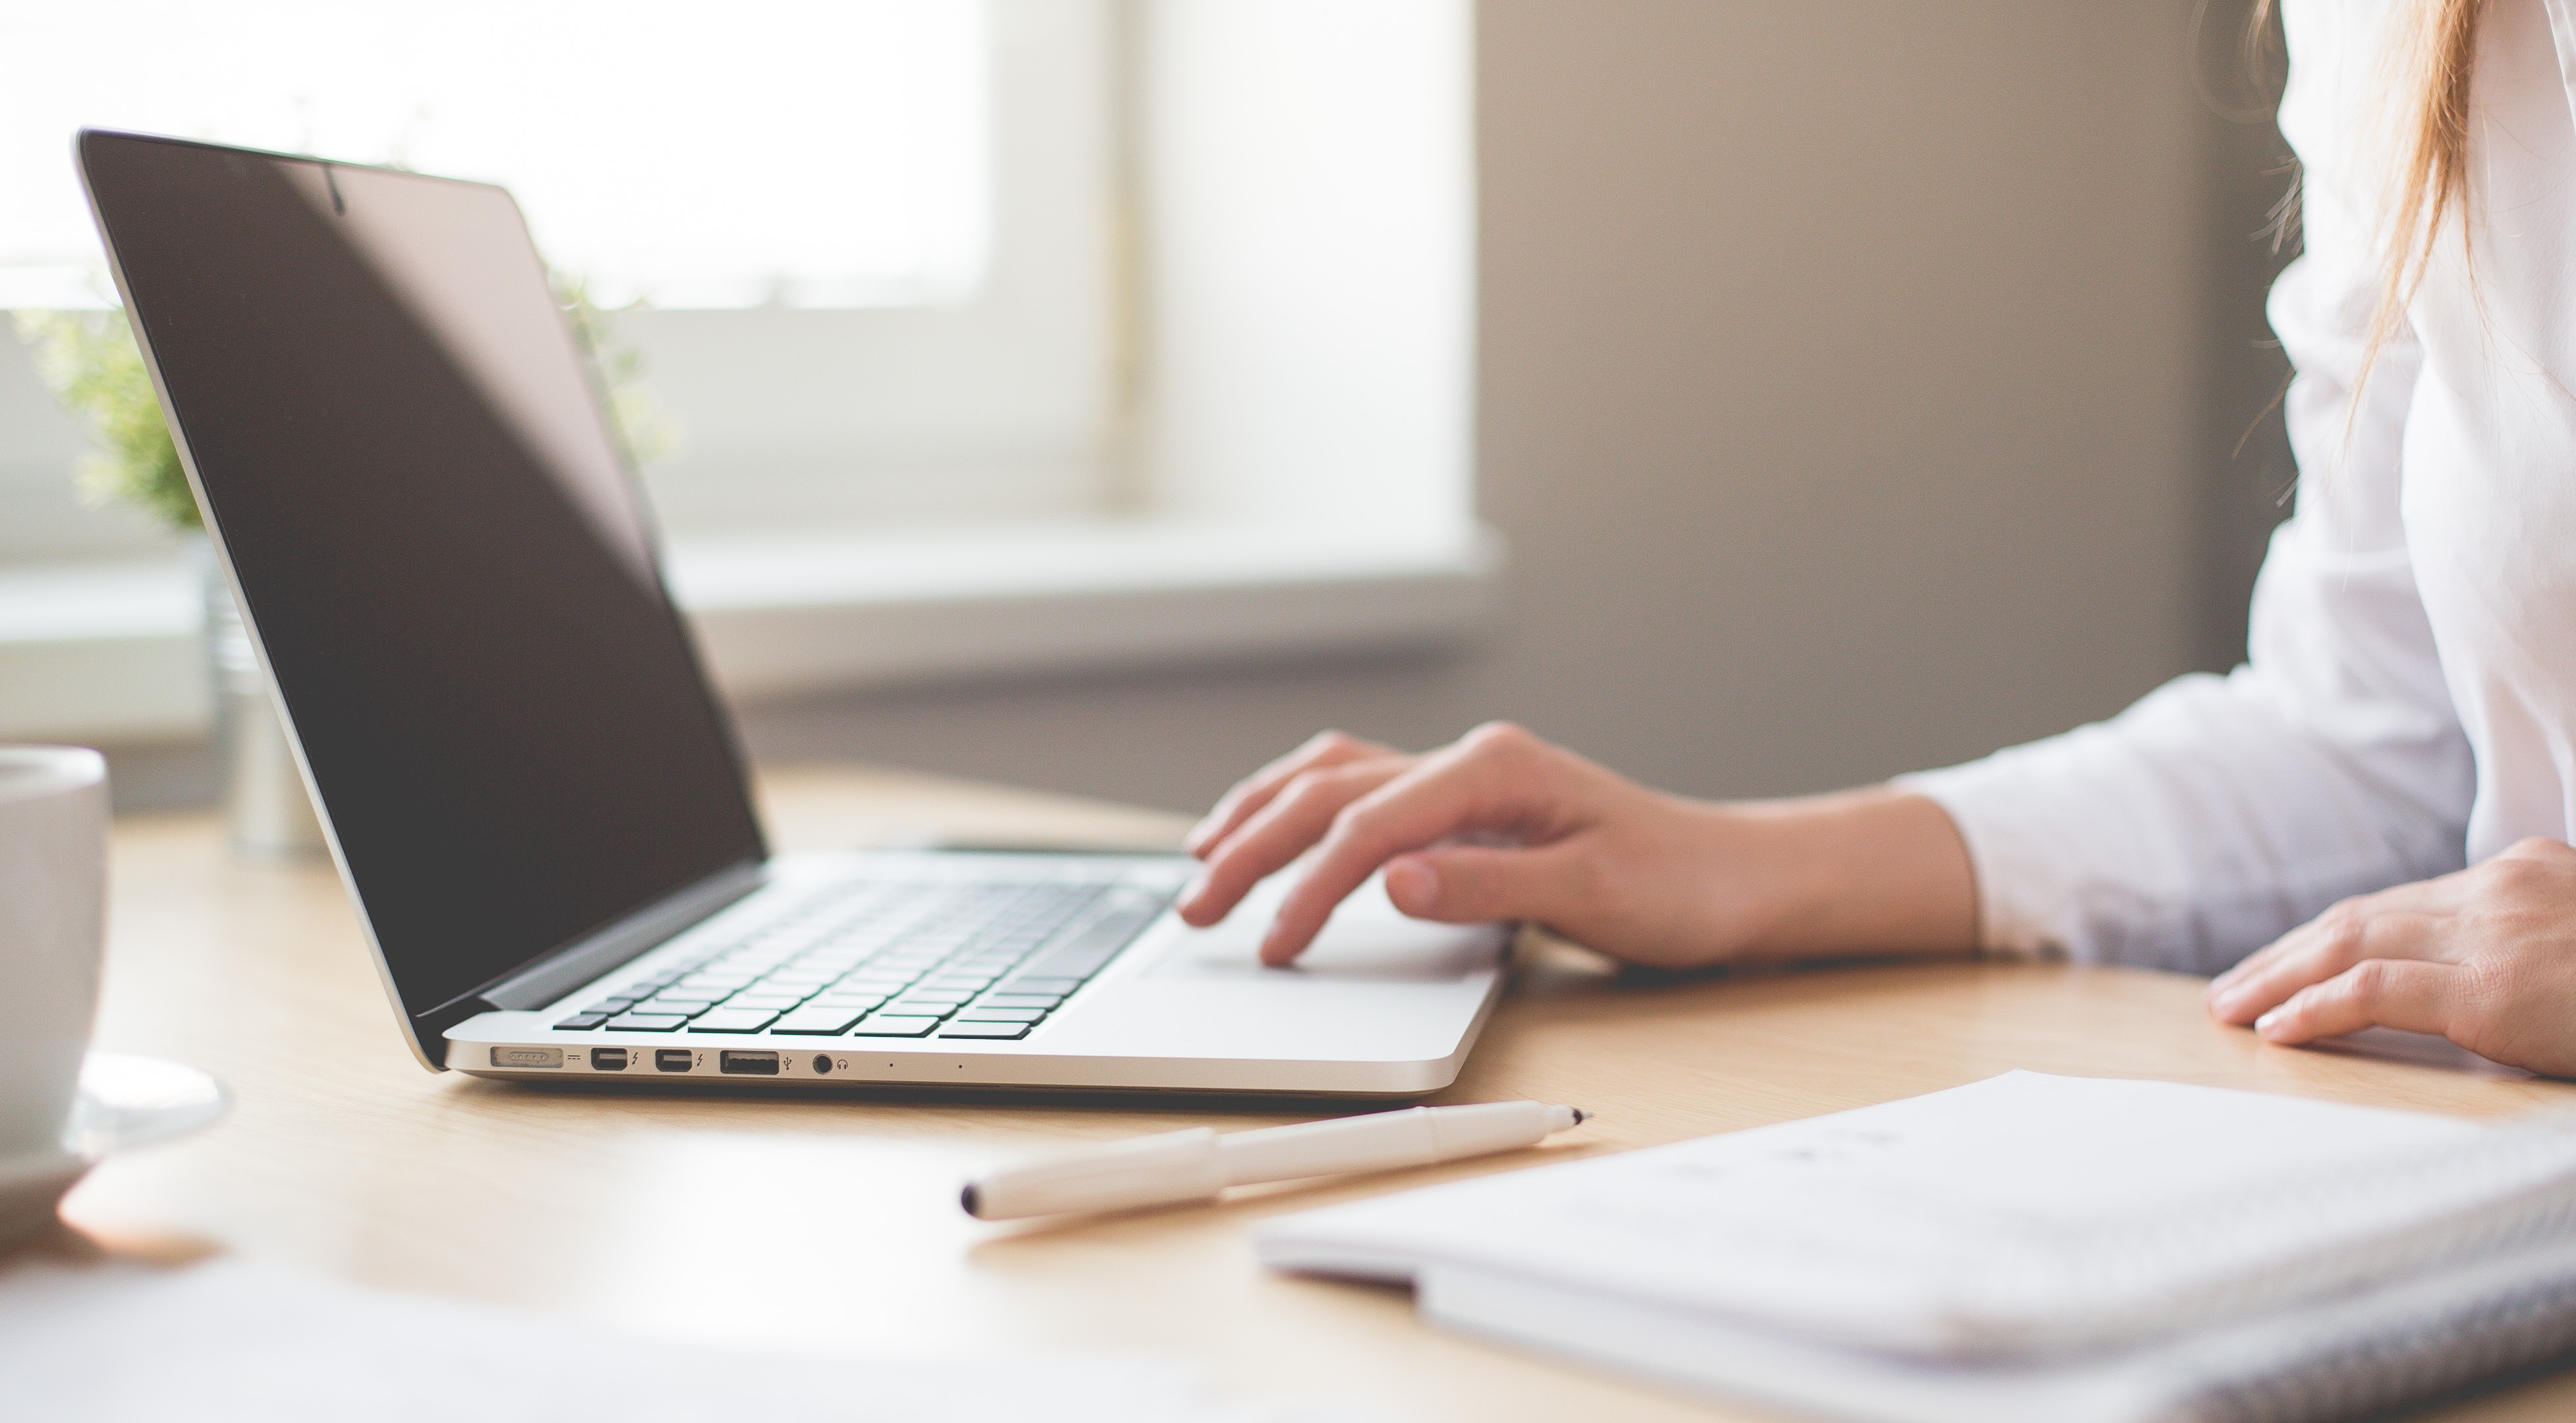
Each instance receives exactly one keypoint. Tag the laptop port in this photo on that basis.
(749, 1064)
(608, 1059)
(673, 1059)
(527, 1057)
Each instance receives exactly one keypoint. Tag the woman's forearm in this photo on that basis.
(1871, 871)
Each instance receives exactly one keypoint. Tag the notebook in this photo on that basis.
(2027, 1247)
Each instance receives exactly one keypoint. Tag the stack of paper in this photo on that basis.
(2027, 1247)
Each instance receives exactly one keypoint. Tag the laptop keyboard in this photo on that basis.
(983, 959)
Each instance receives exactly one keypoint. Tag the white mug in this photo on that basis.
(53, 923)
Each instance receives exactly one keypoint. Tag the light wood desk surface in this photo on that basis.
(817, 1222)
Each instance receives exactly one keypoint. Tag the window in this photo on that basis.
(870, 231)
(1170, 287)
(834, 154)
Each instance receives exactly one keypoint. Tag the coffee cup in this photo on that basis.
(53, 920)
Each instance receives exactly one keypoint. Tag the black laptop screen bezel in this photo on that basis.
(580, 770)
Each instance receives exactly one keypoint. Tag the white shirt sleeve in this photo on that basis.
(2218, 813)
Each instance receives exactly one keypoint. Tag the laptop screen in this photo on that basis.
(443, 551)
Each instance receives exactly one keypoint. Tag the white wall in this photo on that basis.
(1308, 239)
(1841, 377)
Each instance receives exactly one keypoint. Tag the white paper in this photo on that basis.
(2015, 1213)
(231, 1342)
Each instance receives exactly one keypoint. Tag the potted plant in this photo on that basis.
(91, 363)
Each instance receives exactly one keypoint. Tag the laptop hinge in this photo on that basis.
(431, 1027)
(588, 957)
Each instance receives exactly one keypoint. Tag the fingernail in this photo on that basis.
(2264, 1024)
(1272, 941)
(1412, 883)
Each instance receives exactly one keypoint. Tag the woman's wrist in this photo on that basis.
(1873, 871)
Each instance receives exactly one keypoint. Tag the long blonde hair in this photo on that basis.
(2427, 69)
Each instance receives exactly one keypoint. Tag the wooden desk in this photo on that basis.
(831, 1223)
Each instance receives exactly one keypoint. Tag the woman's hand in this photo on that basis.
(2485, 957)
(1502, 825)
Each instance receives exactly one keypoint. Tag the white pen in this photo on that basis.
(1196, 1164)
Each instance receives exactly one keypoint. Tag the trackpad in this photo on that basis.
(1367, 941)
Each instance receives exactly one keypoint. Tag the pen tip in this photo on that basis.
(1580, 1117)
(973, 1201)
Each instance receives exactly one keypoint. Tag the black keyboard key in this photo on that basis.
(883, 1025)
(1005, 1031)
(610, 1006)
(646, 1022)
(581, 1022)
(939, 995)
(986, 1013)
(1040, 983)
(1095, 944)
(923, 1007)
(1019, 1000)
(1078, 961)
(823, 1021)
(734, 1020)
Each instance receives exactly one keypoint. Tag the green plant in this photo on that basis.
(649, 433)
(90, 362)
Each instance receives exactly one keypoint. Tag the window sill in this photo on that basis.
(108, 653)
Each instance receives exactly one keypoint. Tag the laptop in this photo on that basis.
(532, 793)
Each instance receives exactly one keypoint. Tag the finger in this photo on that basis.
(1478, 884)
(2410, 994)
(1279, 832)
(2329, 945)
(1249, 795)
(2254, 962)
(2234, 996)
(2441, 895)
(2433, 896)
(1438, 798)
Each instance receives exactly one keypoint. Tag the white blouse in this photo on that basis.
(2409, 701)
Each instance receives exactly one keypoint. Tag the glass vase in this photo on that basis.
(265, 807)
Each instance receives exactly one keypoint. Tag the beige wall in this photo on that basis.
(1851, 383)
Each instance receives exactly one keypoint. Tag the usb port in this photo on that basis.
(749, 1064)
(673, 1059)
(608, 1059)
